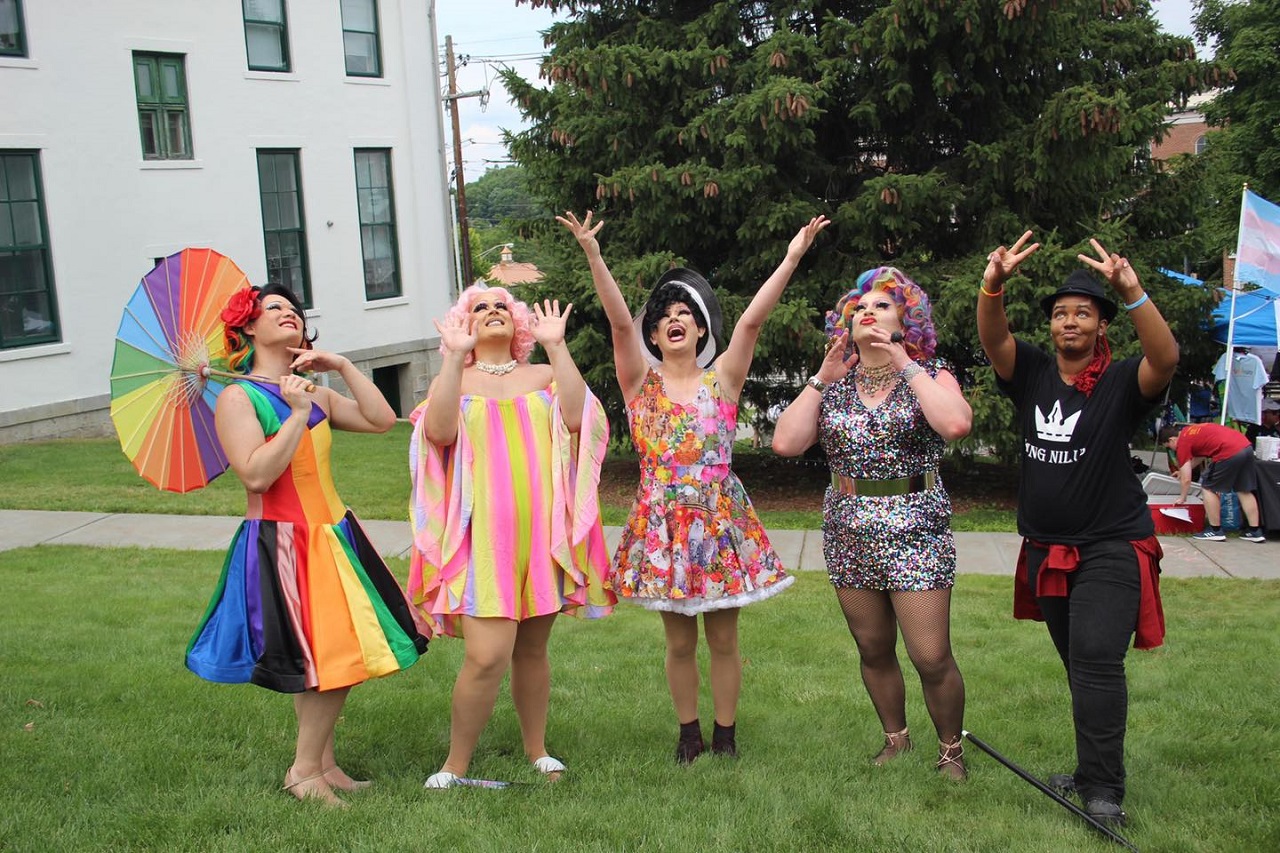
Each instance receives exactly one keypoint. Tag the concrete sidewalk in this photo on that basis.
(978, 553)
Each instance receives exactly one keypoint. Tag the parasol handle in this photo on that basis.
(206, 371)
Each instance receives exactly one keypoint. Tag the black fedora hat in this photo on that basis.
(701, 298)
(1086, 285)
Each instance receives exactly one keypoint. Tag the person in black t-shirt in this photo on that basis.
(1090, 561)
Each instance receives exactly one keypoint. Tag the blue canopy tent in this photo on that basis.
(1255, 319)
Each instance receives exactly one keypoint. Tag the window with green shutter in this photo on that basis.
(160, 80)
(13, 39)
(360, 43)
(376, 204)
(28, 307)
(284, 228)
(266, 35)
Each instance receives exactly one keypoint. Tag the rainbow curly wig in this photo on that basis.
(919, 338)
(522, 342)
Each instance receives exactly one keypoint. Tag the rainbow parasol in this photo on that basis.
(164, 381)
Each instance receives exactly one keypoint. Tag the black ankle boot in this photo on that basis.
(723, 741)
(690, 745)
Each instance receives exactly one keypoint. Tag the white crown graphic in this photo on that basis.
(1055, 427)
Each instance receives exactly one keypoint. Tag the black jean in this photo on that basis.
(1091, 628)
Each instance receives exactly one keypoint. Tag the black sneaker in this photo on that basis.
(1105, 812)
(1064, 784)
(1211, 534)
(1253, 534)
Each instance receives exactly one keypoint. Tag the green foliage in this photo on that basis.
(501, 195)
(1244, 146)
(110, 744)
(1247, 110)
(92, 475)
(707, 133)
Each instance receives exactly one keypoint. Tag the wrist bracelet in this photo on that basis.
(1129, 306)
(985, 292)
(816, 384)
(911, 371)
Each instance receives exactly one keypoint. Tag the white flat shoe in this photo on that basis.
(443, 779)
(546, 765)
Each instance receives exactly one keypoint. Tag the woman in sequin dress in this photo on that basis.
(883, 408)
(505, 458)
(693, 543)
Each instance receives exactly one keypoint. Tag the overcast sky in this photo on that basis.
(493, 33)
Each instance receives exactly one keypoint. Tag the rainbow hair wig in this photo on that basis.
(522, 342)
(919, 338)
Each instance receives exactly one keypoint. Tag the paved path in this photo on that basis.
(978, 553)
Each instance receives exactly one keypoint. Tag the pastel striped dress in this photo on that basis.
(304, 601)
(506, 519)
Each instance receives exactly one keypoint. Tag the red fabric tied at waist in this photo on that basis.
(1061, 560)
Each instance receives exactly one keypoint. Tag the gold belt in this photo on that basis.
(883, 488)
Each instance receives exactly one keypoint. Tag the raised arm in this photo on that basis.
(797, 427)
(571, 390)
(628, 353)
(1159, 347)
(733, 366)
(366, 410)
(993, 325)
(440, 420)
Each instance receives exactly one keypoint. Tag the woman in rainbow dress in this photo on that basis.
(305, 605)
(505, 460)
(693, 544)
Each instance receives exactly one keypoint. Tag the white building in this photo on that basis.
(301, 138)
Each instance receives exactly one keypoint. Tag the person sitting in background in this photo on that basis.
(1231, 466)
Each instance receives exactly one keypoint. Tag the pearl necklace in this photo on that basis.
(872, 380)
(496, 369)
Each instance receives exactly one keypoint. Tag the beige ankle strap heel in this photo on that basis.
(895, 743)
(951, 760)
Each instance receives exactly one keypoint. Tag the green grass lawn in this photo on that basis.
(371, 472)
(109, 743)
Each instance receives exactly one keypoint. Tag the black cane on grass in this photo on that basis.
(1051, 794)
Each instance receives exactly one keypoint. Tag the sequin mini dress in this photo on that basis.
(893, 542)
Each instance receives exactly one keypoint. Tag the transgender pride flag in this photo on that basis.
(1258, 246)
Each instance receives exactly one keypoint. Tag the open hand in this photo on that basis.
(1003, 262)
(805, 236)
(458, 334)
(835, 364)
(583, 231)
(549, 322)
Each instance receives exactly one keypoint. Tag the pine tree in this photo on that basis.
(930, 131)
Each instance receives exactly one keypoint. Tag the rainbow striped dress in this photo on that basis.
(304, 601)
(506, 520)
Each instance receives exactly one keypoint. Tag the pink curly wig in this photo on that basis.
(919, 338)
(522, 342)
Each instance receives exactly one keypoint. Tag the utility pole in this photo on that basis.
(451, 99)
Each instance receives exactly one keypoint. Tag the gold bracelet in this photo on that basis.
(985, 292)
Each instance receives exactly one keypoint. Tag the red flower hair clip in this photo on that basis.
(242, 307)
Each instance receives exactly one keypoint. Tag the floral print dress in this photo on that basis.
(693, 542)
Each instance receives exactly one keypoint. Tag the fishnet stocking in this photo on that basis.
(874, 617)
